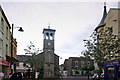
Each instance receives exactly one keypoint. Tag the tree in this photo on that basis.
(102, 46)
(35, 61)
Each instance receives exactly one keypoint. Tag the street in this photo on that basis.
(72, 78)
(76, 78)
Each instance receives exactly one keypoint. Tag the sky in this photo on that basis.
(73, 20)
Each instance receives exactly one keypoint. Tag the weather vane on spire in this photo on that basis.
(49, 25)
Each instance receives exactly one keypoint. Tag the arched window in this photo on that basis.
(51, 36)
(47, 35)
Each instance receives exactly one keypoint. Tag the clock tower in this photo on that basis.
(48, 50)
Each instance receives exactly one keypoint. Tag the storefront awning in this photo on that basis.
(3, 62)
(11, 59)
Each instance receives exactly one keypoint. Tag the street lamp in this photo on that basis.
(21, 30)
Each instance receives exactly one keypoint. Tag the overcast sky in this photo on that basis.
(73, 20)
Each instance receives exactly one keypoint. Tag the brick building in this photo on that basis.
(74, 65)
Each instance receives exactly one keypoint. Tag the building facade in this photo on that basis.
(22, 65)
(4, 43)
(112, 22)
(74, 65)
(5, 46)
(12, 59)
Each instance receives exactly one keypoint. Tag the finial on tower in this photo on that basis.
(105, 3)
(49, 25)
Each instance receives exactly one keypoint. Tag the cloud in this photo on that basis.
(73, 22)
(59, 0)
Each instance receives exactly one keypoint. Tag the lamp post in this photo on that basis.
(21, 30)
(88, 67)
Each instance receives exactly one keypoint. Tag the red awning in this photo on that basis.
(5, 63)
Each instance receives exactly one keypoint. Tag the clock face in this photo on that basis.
(49, 50)
(49, 44)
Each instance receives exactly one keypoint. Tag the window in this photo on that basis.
(88, 62)
(82, 62)
(17, 64)
(98, 36)
(111, 30)
(6, 49)
(2, 24)
(76, 67)
(1, 47)
(51, 36)
(47, 35)
(76, 62)
(14, 51)
(6, 31)
(110, 52)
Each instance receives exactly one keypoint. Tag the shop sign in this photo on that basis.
(111, 63)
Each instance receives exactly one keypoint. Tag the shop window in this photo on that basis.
(76, 72)
(110, 73)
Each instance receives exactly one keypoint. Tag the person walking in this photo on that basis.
(16, 76)
(1, 75)
(95, 76)
(118, 75)
(10, 75)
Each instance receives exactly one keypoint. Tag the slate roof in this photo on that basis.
(22, 58)
(77, 58)
(48, 30)
(102, 23)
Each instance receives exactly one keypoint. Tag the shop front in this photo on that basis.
(13, 63)
(4, 67)
(111, 70)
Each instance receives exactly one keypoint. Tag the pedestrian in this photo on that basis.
(13, 77)
(118, 75)
(16, 76)
(61, 76)
(1, 75)
(10, 75)
(19, 76)
(28, 73)
(95, 76)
